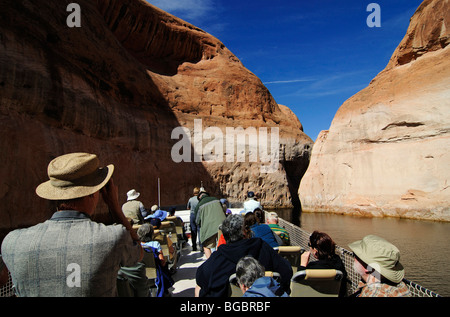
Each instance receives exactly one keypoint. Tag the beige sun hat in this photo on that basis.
(74, 175)
(132, 194)
(381, 255)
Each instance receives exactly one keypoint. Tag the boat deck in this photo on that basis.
(188, 262)
(184, 277)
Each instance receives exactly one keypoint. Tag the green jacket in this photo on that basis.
(209, 216)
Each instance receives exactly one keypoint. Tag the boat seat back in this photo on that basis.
(292, 253)
(316, 283)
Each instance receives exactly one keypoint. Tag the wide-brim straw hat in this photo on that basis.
(381, 255)
(74, 175)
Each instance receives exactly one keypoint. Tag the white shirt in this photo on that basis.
(251, 204)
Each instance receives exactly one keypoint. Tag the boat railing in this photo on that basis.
(300, 237)
(7, 289)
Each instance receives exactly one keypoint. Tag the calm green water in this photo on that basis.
(424, 246)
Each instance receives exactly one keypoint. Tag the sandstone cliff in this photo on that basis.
(386, 152)
(118, 86)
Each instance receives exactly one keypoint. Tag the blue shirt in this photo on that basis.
(153, 244)
(264, 232)
(265, 287)
(192, 203)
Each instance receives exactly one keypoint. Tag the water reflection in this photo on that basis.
(424, 246)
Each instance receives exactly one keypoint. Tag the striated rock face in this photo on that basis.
(428, 32)
(386, 152)
(119, 86)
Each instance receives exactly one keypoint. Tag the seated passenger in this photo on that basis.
(172, 214)
(272, 221)
(251, 203)
(146, 234)
(378, 263)
(155, 222)
(323, 248)
(133, 208)
(163, 279)
(157, 214)
(136, 274)
(251, 278)
(212, 276)
(263, 231)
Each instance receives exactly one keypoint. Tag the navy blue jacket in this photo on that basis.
(212, 276)
(264, 232)
(265, 287)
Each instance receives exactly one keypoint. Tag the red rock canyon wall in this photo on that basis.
(118, 86)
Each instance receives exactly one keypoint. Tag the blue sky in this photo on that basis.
(311, 55)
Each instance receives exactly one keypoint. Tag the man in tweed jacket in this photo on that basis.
(69, 254)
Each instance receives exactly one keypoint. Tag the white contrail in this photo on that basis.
(286, 81)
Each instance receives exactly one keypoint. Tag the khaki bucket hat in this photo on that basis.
(74, 175)
(132, 194)
(381, 255)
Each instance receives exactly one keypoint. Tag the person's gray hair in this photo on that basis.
(145, 232)
(272, 216)
(232, 228)
(248, 270)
